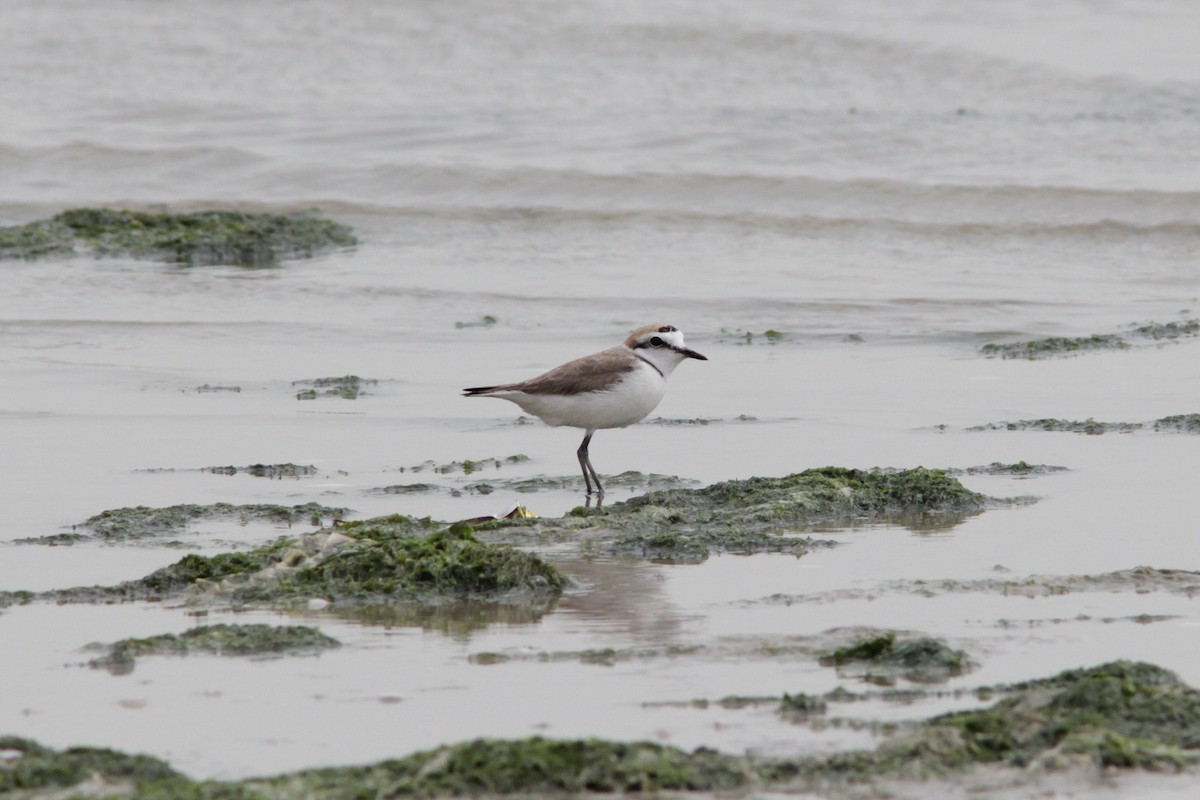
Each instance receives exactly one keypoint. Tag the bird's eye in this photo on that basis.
(657, 341)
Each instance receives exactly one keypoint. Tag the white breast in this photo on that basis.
(626, 402)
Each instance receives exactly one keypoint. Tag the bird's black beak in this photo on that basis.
(690, 353)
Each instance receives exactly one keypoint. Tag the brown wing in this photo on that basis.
(591, 373)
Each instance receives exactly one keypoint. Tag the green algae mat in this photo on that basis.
(206, 237)
(221, 639)
(1121, 715)
(401, 559)
(1117, 716)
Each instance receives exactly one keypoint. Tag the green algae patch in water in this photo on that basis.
(754, 515)
(347, 387)
(1117, 716)
(1020, 469)
(489, 767)
(880, 659)
(206, 237)
(18, 598)
(1121, 714)
(1055, 346)
(395, 559)
(538, 483)
(272, 471)
(34, 771)
(743, 337)
(221, 640)
(1169, 331)
(139, 522)
(480, 768)
(812, 496)
(406, 488)
(801, 706)
(190, 574)
(1176, 423)
(379, 564)
(143, 522)
(468, 466)
(1097, 342)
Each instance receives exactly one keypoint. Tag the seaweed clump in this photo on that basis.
(379, 564)
(815, 495)
(1055, 345)
(143, 522)
(384, 560)
(880, 659)
(1118, 715)
(29, 766)
(1065, 345)
(206, 237)
(140, 521)
(749, 516)
(347, 387)
(273, 471)
(222, 639)
(529, 766)
(482, 767)
(1177, 423)
(1121, 715)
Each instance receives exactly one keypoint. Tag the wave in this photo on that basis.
(226, 175)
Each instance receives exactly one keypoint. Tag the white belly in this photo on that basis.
(624, 404)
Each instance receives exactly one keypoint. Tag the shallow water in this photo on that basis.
(890, 190)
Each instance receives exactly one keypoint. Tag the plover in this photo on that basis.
(610, 389)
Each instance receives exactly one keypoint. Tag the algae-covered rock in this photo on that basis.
(1120, 715)
(28, 767)
(1177, 423)
(468, 466)
(539, 483)
(347, 387)
(207, 237)
(1064, 345)
(1054, 346)
(744, 337)
(1018, 469)
(525, 767)
(881, 658)
(801, 706)
(484, 767)
(405, 488)
(273, 471)
(815, 495)
(759, 514)
(394, 559)
(8, 598)
(1170, 330)
(142, 522)
(379, 564)
(222, 639)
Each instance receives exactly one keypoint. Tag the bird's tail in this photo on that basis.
(480, 390)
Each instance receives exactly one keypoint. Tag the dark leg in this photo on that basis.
(589, 472)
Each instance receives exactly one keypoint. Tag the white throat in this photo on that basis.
(663, 360)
